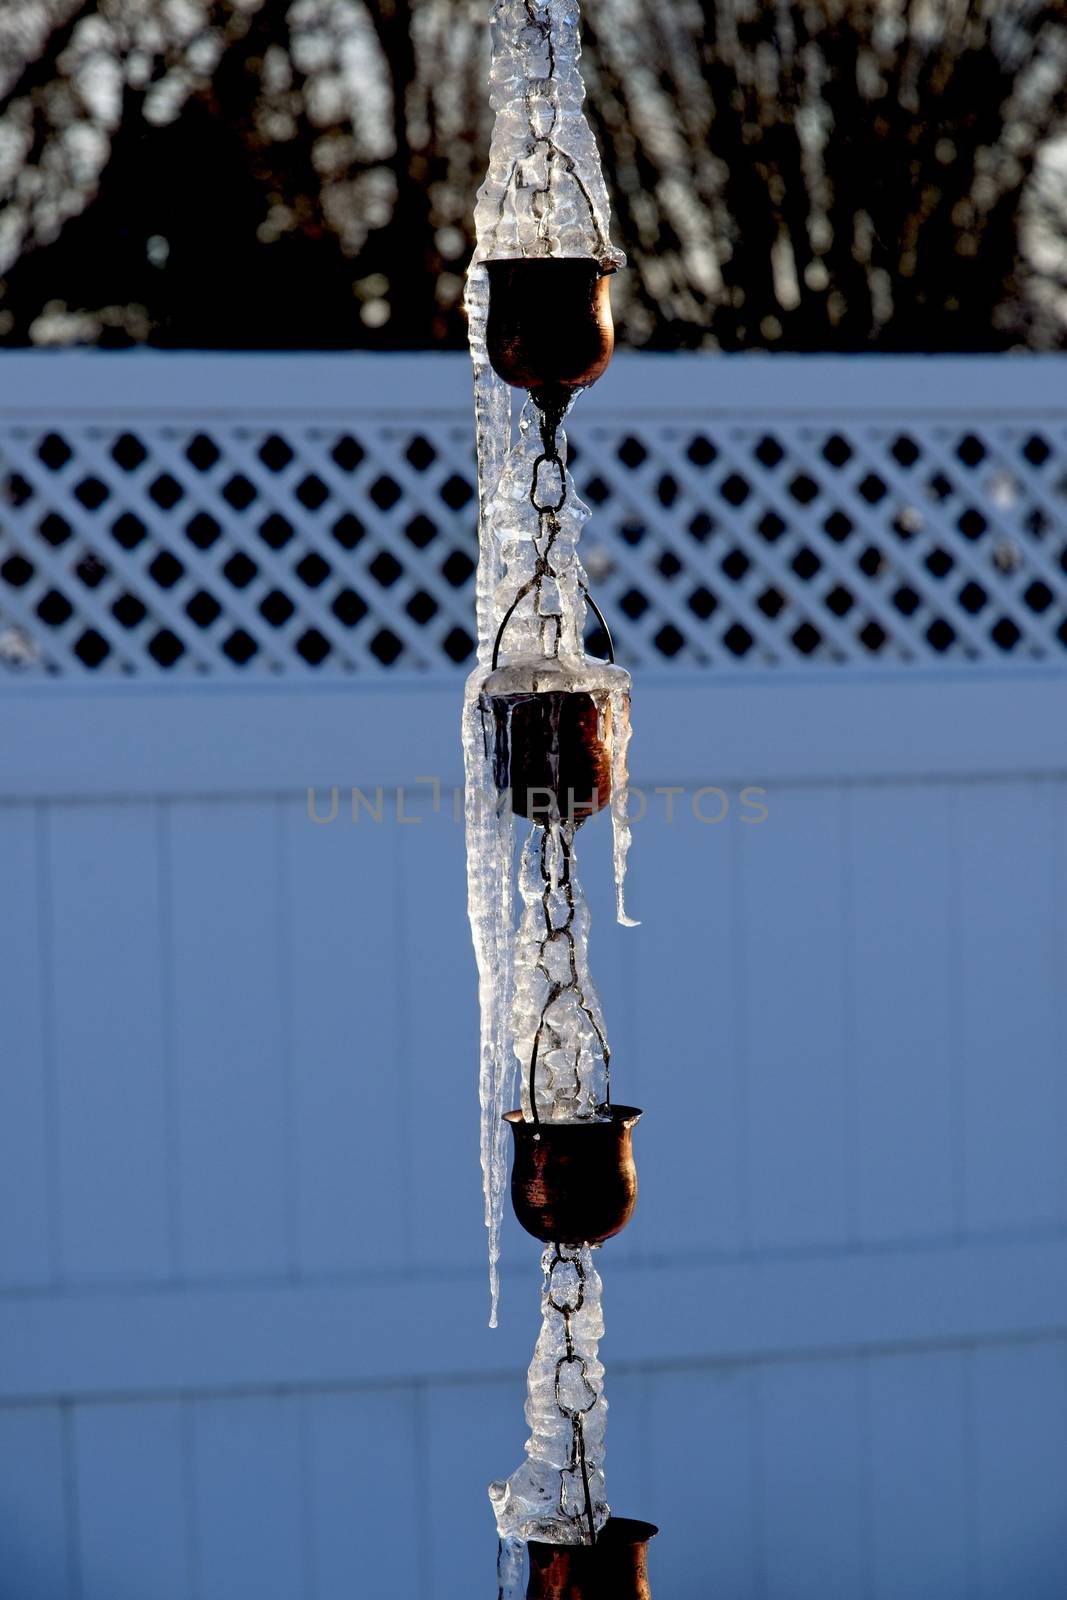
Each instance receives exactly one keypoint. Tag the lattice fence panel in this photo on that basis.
(280, 549)
(846, 542)
(145, 547)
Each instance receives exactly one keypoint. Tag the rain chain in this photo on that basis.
(545, 731)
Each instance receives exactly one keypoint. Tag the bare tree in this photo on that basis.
(840, 175)
(797, 174)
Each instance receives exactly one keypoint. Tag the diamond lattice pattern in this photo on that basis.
(294, 548)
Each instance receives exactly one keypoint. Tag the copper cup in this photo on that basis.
(548, 750)
(574, 1182)
(549, 328)
(615, 1568)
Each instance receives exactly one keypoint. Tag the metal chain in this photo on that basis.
(574, 1414)
(560, 835)
(550, 419)
(548, 510)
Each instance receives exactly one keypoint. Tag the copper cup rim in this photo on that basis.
(603, 269)
(625, 1116)
(630, 1530)
(617, 1530)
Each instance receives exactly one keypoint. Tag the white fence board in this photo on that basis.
(250, 1524)
(109, 1040)
(464, 1425)
(363, 1457)
(919, 1487)
(628, 1441)
(900, 1037)
(1020, 1429)
(438, 1042)
(698, 1196)
(704, 1478)
(792, 1042)
(27, 1125)
(131, 1477)
(230, 1060)
(1011, 978)
(36, 1554)
(811, 1481)
(342, 976)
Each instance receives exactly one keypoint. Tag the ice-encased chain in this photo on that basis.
(558, 1494)
(544, 192)
(560, 1038)
(537, 518)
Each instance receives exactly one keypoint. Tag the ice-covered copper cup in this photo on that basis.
(552, 732)
(549, 328)
(574, 1182)
(615, 1568)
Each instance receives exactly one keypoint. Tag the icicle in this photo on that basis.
(489, 907)
(492, 421)
(510, 1568)
(620, 799)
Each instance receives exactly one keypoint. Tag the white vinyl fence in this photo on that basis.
(242, 1303)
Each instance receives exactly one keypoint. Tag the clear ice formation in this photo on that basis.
(558, 1026)
(559, 1489)
(543, 1042)
(544, 192)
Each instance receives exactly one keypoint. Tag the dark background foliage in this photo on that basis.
(832, 175)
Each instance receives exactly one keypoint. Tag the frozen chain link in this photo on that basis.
(569, 1408)
(558, 909)
(557, 1495)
